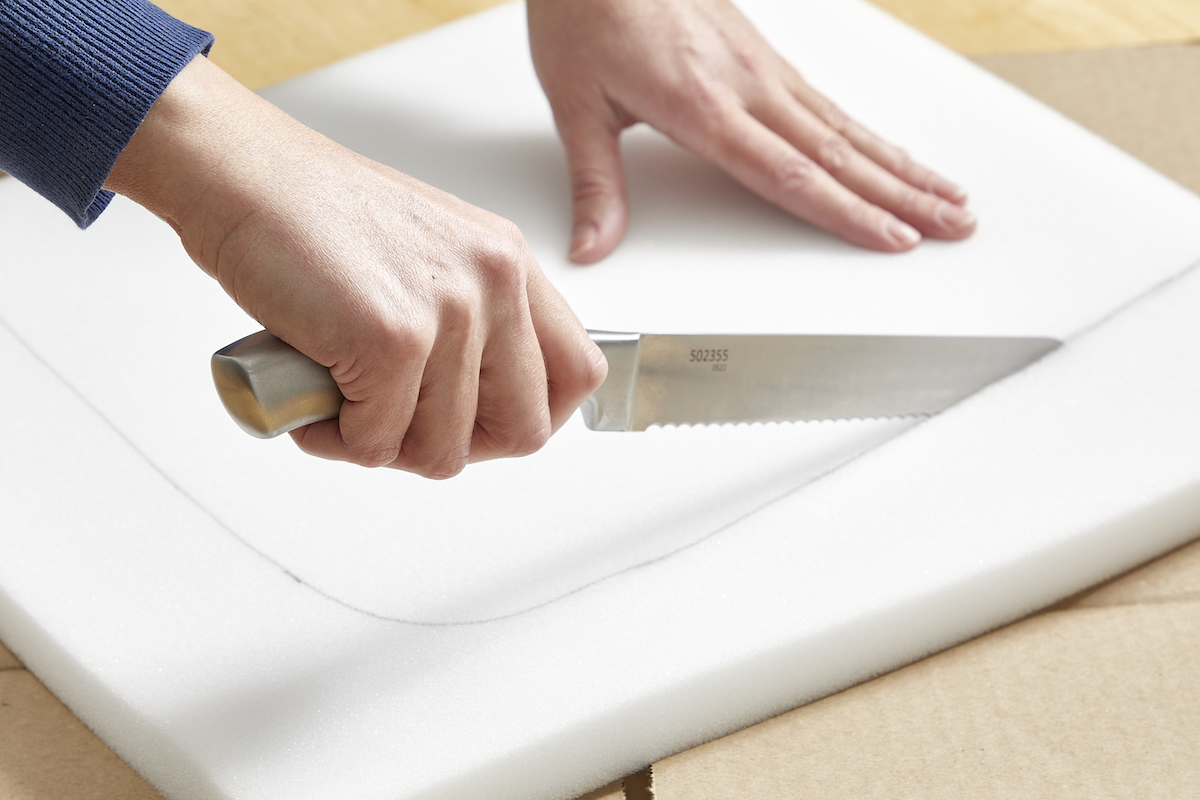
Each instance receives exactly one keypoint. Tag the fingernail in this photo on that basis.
(903, 234)
(954, 218)
(583, 239)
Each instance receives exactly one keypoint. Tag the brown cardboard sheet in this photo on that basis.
(1142, 99)
(7, 659)
(1099, 696)
(613, 791)
(47, 754)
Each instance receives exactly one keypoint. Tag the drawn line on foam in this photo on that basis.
(229, 529)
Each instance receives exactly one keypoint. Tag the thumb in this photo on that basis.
(601, 207)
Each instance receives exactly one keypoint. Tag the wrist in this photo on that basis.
(200, 160)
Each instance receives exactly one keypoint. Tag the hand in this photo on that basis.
(701, 74)
(447, 341)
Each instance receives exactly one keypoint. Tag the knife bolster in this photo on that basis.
(610, 408)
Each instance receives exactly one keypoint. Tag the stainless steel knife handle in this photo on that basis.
(269, 387)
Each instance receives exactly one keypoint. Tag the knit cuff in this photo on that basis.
(77, 77)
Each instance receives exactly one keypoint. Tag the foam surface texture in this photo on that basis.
(240, 621)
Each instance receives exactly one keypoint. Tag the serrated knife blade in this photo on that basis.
(657, 379)
(682, 379)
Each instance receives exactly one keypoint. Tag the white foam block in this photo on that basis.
(240, 621)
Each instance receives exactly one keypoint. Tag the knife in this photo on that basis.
(269, 388)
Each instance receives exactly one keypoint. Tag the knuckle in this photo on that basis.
(403, 337)
(531, 440)
(833, 116)
(502, 292)
(593, 372)
(707, 99)
(859, 215)
(520, 439)
(374, 457)
(834, 152)
(796, 176)
(459, 311)
(898, 161)
(436, 460)
(706, 107)
(582, 377)
(504, 257)
(408, 339)
(752, 61)
(589, 184)
(909, 202)
(347, 373)
(511, 234)
(447, 465)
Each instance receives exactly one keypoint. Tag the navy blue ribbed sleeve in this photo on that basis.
(77, 77)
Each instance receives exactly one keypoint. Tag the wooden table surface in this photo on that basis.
(46, 754)
(265, 41)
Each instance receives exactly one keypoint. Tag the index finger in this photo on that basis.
(575, 367)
